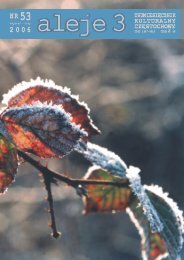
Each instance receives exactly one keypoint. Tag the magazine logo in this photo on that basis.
(84, 26)
(91, 24)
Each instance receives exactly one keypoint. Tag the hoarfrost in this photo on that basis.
(32, 83)
(176, 212)
(50, 124)
(150, 212)
(104, 158)
(47, 91)
(144, 236)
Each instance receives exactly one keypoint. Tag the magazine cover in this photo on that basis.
(91, 130)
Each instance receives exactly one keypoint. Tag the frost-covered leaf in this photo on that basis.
(168, 242)
(152, 244)
(104, 158)
(171, 217)
(4, 131)
(8, 163)
(157, 218)
(105, 198)
(110, 198)
(139, 191)
(42, 130)
(46, 91)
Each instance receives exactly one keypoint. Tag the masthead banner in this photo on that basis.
(90, 24)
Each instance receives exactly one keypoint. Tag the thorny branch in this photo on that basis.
(50, 177)
(52, 224)
(75, 183)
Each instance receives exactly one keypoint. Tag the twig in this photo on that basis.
(48, 182)
(52, 177)
(70, 181)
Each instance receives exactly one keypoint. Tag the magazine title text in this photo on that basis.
(82, 26)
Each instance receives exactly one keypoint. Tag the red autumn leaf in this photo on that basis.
(8, 163)
(105, 198)
(42, 130)
(46, 91)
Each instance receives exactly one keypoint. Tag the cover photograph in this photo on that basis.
(91, 130)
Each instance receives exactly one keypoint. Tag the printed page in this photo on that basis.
(125, 61)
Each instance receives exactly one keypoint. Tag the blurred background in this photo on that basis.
(135, 90)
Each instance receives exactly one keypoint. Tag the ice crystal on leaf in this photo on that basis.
(158, 191)
(168, 241)
(46, 91)
(44, 130)
(153, 246)
(171, 217)
(46, 120)
(105, 159)
(157, 217)
(138, 189)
